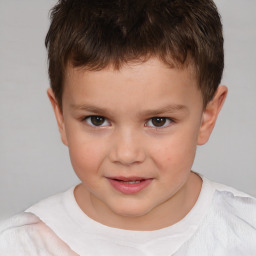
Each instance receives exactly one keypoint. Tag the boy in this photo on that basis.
(134, 88)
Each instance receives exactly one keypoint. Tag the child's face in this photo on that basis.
(132, 135)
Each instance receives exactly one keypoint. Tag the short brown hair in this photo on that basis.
(97, 33)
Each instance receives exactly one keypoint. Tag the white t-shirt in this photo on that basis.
(221, 223)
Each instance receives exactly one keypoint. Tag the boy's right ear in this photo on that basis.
(58, 114)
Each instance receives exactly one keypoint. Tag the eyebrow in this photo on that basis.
(166, 109)
(104, 111)
(90, 108)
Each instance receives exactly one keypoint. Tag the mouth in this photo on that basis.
(129, 185)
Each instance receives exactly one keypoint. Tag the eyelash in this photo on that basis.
(88, 120)
(165, 119)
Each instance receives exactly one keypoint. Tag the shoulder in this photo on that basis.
(235, 204)
(19, 233)
(231, 202)
(229, 225)
(18, 220)
(25, 234)
(17, 226)
(232, 219)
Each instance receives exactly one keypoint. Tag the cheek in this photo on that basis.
(86, 157)
(175, 152)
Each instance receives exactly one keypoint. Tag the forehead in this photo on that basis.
(152, 66)
(133, 83)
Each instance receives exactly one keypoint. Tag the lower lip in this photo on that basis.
(129, 188)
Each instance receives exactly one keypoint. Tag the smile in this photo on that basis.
(129, 185)
(131, 182)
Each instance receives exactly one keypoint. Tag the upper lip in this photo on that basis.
(132, 178)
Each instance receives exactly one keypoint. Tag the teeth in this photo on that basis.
(132, 182)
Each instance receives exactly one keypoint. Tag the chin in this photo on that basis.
(131, 211)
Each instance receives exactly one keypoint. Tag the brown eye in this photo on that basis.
(96, 121)
(158, 122)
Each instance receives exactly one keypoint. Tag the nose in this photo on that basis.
(127, 148)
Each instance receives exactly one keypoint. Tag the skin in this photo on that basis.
(129, 144)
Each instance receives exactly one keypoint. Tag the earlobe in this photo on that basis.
(58, 115)
(210, 114)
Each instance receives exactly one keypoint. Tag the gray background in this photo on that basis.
(34, 163)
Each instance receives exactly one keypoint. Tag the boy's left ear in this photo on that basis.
(210, 114)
